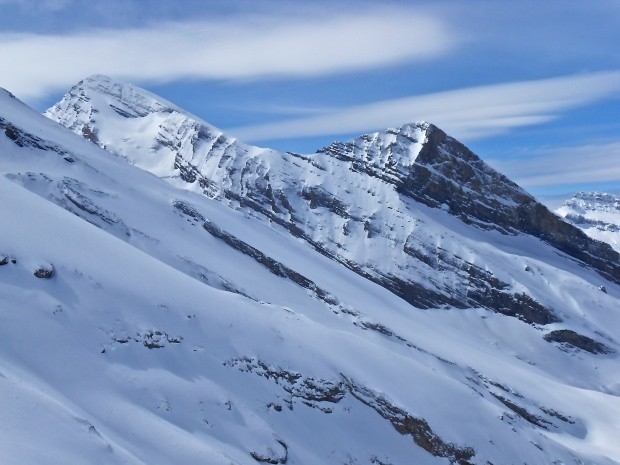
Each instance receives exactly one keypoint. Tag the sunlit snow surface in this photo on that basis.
(156, 342)
(598, 214)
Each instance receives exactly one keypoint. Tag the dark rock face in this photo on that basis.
(272, 457)
(318, 197)
(576, 340)
(44, 272)
(448, 173)
(24, 139)
(270, 264)
(483, 289)
(151, 339)
(188, 210)
(524, 413)
(313, 392)
(417, 428)
(527, 409)
(157, 339)
(89, 134)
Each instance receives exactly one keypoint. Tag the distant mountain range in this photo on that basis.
(598, 214)
(173, 295)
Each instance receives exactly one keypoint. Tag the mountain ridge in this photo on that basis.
(417, 160)
(596, 213)
(175, 329)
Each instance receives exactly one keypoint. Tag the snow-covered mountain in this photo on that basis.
(391, 300)
(357, 202)
(598, 214)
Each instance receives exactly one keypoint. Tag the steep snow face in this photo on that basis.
(142, 323)
(598, 214)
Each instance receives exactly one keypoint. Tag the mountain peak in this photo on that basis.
(98, 107)
(596, 200)
(596, 213)
(126, 99)
(366, 185)
(100, 83)
(411, 128)
(100, 78)
(388, 153)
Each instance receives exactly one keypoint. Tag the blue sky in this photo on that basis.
(533, 87)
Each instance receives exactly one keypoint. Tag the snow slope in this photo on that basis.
(356, 202)
(598, 214)
(175, 329)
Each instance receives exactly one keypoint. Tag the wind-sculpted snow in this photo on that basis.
(174, 329)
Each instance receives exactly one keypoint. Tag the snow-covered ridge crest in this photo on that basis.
(137, 100)
(104, 110)
(353, 200)
(595, 201)
(79, 111)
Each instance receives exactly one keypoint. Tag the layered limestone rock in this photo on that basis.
(366, 203)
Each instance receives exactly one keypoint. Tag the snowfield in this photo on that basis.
(175, 322)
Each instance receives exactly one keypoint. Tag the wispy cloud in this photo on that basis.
(467, 114)
(593, 163)
(250, 46)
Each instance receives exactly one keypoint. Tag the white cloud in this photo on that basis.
(256, 45)
(466, 114)
(595, 163)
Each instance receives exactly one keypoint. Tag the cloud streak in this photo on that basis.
(593, 163)
(467, 114)
(254, 46)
